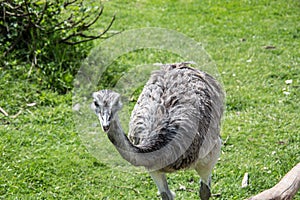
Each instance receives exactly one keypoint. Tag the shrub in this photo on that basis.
(48, 38)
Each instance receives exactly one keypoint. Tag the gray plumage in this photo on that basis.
(174, 125)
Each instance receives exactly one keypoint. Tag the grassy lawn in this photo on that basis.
(255, 45)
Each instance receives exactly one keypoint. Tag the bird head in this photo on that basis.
(106, 104)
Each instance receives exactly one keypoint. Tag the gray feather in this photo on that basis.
(178, 102)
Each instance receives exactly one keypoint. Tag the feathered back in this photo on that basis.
(179, 102)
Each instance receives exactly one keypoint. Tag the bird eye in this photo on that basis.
(96, 103)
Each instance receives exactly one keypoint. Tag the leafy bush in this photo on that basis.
(48, 39)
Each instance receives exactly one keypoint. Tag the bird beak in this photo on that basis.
(105, 121)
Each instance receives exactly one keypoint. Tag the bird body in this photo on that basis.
(174, 125)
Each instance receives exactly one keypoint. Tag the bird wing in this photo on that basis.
(178, 102)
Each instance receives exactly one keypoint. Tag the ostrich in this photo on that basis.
(174, 125)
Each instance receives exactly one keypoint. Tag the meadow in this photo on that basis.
(255, 46)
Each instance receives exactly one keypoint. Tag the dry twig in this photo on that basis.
(3, 112)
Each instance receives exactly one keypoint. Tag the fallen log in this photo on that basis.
(285, 189)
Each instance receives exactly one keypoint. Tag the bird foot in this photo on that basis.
(205, 193)
(166, 196)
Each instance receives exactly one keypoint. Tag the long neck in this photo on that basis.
(117, 136)
(146, 156)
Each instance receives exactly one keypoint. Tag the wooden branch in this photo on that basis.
(11, 7)
(66, 4)
(88, 37)
(86, 26)
(18, 15)
(285, 189)
(59, 27)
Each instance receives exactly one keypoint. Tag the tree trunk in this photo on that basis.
(285, 189)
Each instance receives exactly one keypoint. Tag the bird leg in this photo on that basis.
(205, 183)
(204, 171)
(162, 185)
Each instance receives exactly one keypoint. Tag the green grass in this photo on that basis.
(42, 156)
